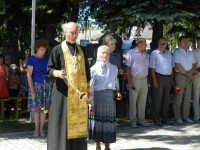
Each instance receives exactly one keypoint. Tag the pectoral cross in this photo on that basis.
(74, 61)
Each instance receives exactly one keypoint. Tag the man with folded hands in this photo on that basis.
(185, 65)
(196, 83)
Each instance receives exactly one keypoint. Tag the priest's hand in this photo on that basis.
(118, 96)
(59, 74)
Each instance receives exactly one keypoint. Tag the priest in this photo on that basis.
(68, 120)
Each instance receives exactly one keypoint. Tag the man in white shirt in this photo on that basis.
(185, 66)
(161, 66)
(196, 83)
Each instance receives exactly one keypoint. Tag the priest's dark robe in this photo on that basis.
(57, 134)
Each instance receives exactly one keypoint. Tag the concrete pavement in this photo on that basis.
(176, 137)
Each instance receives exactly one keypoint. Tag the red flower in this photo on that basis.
(198, 69)
(177, 89)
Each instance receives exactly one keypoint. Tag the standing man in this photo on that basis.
(137, 64)
(68, 121)
(161, 71)
(196, 83)
(185, 66)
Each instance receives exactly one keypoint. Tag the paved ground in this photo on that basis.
(176, 137)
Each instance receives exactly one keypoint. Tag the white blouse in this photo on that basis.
(103, 77)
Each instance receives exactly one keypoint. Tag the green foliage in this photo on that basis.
(146, 10)
(171, 36)
(2, 7)
(174, 29)
(16, 16)
(182, 16)
(158, 9)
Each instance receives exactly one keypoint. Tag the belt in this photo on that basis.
(139, 77)
(162, 75)
(180, 73)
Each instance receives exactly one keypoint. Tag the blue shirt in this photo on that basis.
(184, 58)
(39, 68)
(115, 59)
(103, 77)
(161, 62)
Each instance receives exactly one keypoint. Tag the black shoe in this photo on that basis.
(167, 122)
(142, 124)
(157, 124)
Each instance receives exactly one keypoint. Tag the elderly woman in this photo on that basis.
(115, 58)
(104, 86)
(39, 83)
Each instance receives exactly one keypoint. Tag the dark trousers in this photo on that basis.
(161, 98)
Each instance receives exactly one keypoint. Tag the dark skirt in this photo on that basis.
(102, 126)
(57, 133)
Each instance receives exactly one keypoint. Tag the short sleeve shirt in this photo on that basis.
(184, 58)
(39, 68)
(161, 62)
(197, 56)
(138, 62)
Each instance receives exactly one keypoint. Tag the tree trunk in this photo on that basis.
(75, 11)
(157, 33)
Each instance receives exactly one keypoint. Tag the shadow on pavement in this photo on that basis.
(175, 134)
(152, 148)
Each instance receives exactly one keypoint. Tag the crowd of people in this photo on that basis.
(166, 70)
(12, 82)
(63, 84)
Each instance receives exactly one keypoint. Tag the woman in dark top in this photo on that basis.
(115, 58)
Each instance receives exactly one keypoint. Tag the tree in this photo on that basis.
(15, 25)
(125, 13)
(15, 16)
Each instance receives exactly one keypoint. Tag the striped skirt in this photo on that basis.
(102, 126)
